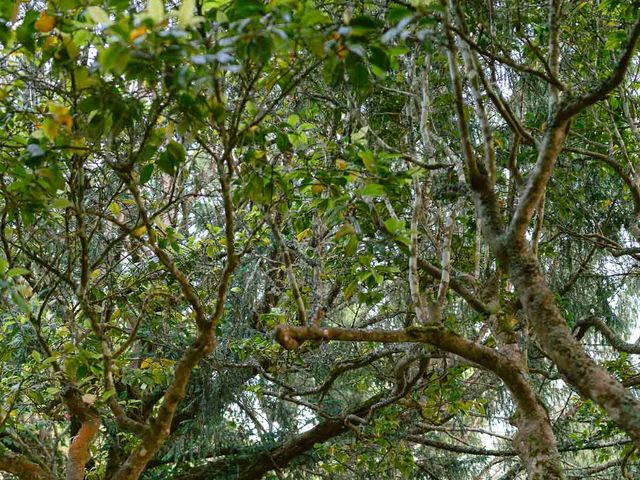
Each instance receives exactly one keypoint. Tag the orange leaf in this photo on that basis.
(137, 32)
(341, 51)
(66, 120)
(45, 23)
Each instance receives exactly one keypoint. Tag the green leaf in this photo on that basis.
(379, 58)
(114, 208)
(346, 229)
(4, 264)
(171, 158)
(166, 163)
(26, 31)
(145, 173)
(350, 290)
(114, 58)
(313, 17)
(367, 158)
(293, 120)
(241, 9)
(351, 246)
(176, 151)
(394, 224)
(83, 79)
(61, 202)
(357, 72)
(15, 271)
(20, 301)
(373, 190)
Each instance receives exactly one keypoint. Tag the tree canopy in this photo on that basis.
(295, 239)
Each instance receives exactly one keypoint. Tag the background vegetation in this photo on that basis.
(319, 240)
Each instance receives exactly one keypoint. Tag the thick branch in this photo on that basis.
(160, 425)
(535, 441)
(550, 329)
(20, 466)
(550, 148)
(292, 337)
(281, 455)
(79, 452)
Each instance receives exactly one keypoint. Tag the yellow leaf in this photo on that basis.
(185, 13)
(83, 78)
(58, 109)
(317, 188)
(65, 120)
(52, 41)
(98, 15)
(306, 233)
(341, 164)
(26, 291)
(79, 142)
(169, 130)
(45, 23)
(346, 229)
(140, 231)
(70, 45)
(50, 129)
(96, 273)
(156, 10)
(137, 33)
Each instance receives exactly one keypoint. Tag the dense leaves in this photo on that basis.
(197, 197)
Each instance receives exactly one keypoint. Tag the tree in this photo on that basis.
(305, 240)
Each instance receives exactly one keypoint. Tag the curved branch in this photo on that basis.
(506, 60)
(255, 467)
(457, 286)
(535, 441)
(20, 466)
(583, 325)
(605, 87)
(634, 188)
(79, 452)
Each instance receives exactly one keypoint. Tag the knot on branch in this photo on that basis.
(284, 336)
(420, 331)
(582, 325)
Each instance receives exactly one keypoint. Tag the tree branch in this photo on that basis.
(583, 325)
(20, 466)
(572, 108)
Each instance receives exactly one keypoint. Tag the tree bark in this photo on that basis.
(550, 329)
(23, 468)
(535, 441)
(255, 467)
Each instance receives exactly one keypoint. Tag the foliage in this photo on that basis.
(182, 180)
